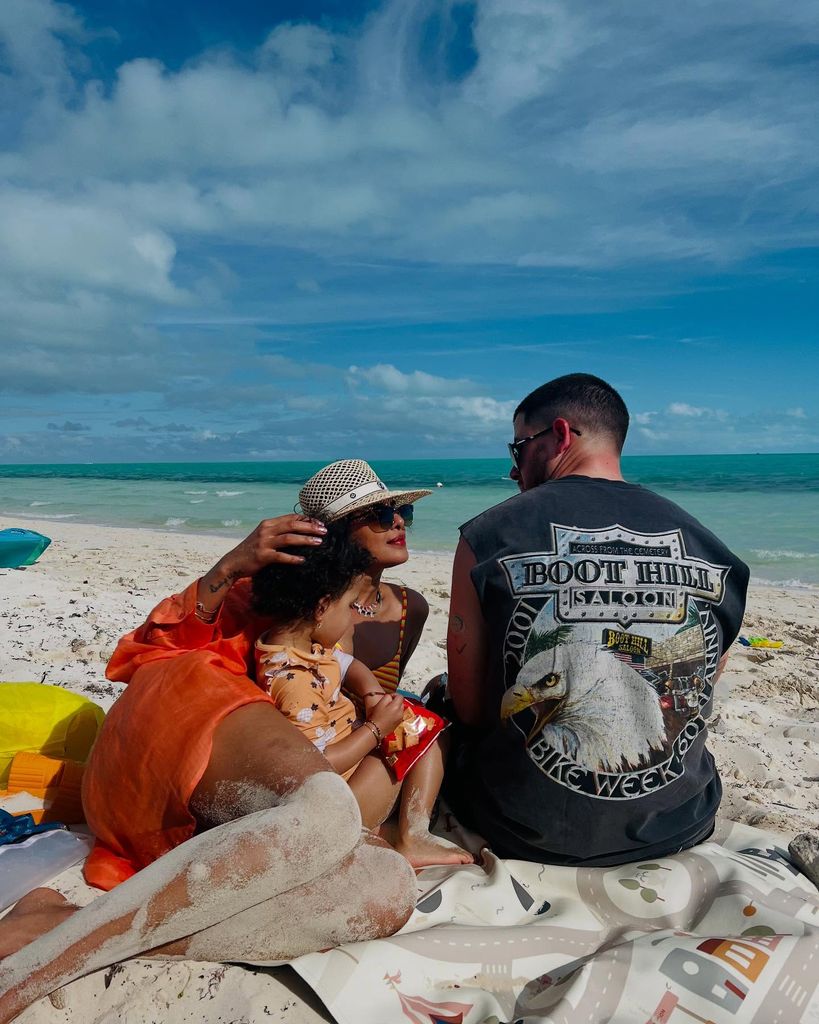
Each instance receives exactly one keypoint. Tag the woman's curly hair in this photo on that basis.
(291, 593)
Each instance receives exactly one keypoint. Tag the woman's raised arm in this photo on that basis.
(259, 549)
(190, 621)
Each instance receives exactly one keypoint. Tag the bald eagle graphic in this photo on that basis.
(590, 706)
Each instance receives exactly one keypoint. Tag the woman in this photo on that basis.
(196, 767)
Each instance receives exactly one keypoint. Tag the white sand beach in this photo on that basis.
(60, 619)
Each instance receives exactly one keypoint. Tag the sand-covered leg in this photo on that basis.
(370, 894)
(418, 797)
(211, 877)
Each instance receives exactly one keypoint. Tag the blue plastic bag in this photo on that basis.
(14, 827)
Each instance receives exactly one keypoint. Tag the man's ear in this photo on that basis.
(562, 434)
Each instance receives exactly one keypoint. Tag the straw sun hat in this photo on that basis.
(347, 486)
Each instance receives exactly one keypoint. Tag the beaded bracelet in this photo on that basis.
(204, 615)
(375, 731)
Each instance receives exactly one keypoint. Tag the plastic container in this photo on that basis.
(21, 547)
(37, 860)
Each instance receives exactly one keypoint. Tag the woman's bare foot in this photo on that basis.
(423, 851)
(34, 915)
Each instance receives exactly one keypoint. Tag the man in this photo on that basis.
(590, 619)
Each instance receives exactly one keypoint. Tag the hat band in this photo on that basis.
(347, 499)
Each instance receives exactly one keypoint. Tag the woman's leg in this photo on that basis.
(352, 903)
(309, 833)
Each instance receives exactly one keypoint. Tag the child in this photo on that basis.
(311, 608)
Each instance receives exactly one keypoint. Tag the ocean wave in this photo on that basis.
(35, 504)
(196, 492)
(228, 494)
(58, 515)
(794, 584)
(175, 521)
(196, 501)
(231, 522)
(776, 554)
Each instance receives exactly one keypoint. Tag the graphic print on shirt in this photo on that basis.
(609, 657)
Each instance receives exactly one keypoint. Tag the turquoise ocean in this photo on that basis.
(765, 507)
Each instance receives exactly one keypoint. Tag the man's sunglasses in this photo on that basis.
(383, 516)
(515, 446)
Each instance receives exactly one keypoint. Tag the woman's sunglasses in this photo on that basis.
(382, 517)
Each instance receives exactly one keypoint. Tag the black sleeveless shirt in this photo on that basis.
(607, 609)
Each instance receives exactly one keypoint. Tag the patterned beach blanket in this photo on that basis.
(725, 933)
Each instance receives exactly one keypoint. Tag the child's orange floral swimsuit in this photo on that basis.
(306, 688)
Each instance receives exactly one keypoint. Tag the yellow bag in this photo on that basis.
(42, 719)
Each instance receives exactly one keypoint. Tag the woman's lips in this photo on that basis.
(399, 542)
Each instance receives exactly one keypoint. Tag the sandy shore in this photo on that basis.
(59, 622)
(60, 619)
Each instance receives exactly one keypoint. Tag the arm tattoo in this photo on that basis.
(457, 625)
(226, 581)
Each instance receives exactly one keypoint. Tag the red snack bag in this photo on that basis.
(412, 738)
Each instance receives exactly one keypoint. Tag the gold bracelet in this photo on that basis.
(375, 731)
(202, 613)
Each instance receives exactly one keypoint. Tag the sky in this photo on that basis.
(334, 229)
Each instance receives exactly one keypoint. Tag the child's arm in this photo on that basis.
(360, 683)
(384, 717)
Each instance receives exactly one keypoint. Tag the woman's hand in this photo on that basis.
(262, 547)
(388, 713)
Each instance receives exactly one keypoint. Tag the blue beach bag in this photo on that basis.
(21, 547)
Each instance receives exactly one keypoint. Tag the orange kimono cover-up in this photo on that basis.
(184, 676)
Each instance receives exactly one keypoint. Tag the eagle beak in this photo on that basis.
(521, 696)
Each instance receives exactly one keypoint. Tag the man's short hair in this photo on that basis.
(587, 402)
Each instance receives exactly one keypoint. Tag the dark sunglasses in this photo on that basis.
(515, 446)
(383, 516)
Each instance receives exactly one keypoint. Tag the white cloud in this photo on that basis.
(481, 409)
(299, 47)
(76, 244)
(683, 409)
(386, 377)
(31, 33)
(418, 397)
(798, 413)
(652, 436)
(522, 45)
(305, 403)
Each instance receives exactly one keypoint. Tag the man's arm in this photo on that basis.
(466, 643)
(723, 661)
